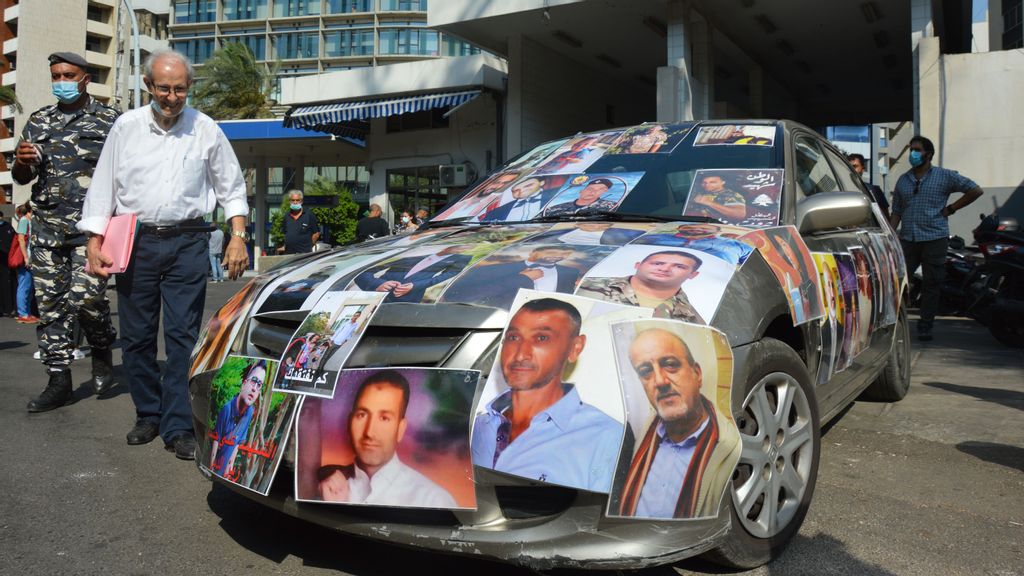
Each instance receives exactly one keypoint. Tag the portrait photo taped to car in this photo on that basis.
(394, 437)
(248, 424)
(592, 192)
(678, 283)
(742, 197)
(549, 412)
(650, 139)
(786, 254)
(323, 341)
(677, 383)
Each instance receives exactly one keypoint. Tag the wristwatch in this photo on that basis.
(241, 234)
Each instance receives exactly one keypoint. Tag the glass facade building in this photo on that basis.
(312, 36)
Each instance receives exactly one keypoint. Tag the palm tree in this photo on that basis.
(233, 86)
(9, 98)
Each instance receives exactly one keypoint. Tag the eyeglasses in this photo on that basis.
(166, 90)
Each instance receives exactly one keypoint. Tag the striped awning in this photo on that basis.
(314, 117)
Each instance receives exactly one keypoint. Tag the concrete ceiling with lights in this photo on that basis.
(842, 61)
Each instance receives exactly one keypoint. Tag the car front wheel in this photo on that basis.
(774, 480)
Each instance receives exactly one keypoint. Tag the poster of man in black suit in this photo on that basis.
(407, 279)
(551, 268)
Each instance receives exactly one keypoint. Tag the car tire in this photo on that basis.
(893, 383)
(782, 446)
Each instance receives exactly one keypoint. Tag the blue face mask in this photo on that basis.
(296, 207)
(66, 91)
(916, 158)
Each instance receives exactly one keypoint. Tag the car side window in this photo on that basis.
(813, 174)
(849, 181)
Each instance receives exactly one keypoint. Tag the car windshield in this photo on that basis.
(721, 172)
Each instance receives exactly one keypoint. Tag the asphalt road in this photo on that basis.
(933, 485)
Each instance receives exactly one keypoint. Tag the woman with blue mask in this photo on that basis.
(921, 203)
(59, 148)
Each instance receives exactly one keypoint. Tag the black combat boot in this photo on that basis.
(102, 370)
(56, 394)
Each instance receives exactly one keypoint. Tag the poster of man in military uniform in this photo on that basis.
(59, 148)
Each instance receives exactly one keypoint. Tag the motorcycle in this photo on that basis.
(995, 289)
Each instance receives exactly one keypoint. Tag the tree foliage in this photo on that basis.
(339, 219)
(9, 98)
(233, 86)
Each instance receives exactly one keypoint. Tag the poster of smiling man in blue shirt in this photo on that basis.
(540, 428)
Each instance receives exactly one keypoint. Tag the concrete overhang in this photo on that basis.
(841, 62)
(444, 74)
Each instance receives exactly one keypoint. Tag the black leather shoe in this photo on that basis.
(183, 445)
(143, 432)
(56, 394)
(102, 370)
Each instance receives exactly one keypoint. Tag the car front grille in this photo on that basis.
(400, 334)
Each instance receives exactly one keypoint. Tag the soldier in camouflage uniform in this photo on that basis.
(59, 147)
(589, 200)
(657, 284)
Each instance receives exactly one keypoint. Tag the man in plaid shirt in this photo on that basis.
(921, 202)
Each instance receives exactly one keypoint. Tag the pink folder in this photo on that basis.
(118, 241)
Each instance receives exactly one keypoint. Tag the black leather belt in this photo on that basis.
(169, 231)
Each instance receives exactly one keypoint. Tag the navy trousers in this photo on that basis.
(168, 273)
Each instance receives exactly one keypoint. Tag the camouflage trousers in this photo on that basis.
(68, 296)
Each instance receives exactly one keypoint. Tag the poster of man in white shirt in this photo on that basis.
(390, 437)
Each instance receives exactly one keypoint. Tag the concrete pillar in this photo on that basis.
(929, 107)
(675, 100)
(514, 98)
(702, 71)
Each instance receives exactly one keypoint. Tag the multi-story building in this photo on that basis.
(97, 29)
(312, 36)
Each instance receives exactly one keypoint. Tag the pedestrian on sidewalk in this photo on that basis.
(301, 230)
(8, 238)
(920, 203)
(372, 225)
(59, 148)
(216, 254)
(170, 165)
(859, 164)
(26, 286)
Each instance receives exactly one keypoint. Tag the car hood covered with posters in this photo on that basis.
(500, 381)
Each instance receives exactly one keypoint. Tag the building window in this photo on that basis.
(416, 187)
(283, 8)
(192, 11)
(198, 50)
(454, 47)
(297, 45)
(348, 6)
(1013, 15)
(245, 9)
(408, 42)
(404, 5)
(348, 43)
(257, 44)
(97, 14)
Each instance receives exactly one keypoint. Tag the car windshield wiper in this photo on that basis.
(613, 216)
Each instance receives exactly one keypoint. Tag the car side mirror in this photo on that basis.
(831, 210)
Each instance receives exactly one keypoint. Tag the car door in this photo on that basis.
(848, 344)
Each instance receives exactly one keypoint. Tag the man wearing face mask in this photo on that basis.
(921, 203)
(301, 230)
(170, 165)
(59, 148)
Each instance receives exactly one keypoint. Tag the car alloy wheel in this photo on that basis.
(774, 471)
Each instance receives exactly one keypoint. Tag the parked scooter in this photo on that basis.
(996, 288)
(985, 281)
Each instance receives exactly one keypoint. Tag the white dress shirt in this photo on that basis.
(164, 176)
(548, 282)
(395, 484)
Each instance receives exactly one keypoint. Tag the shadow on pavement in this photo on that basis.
(1002, 454)
(10, 345)
(1008, 398)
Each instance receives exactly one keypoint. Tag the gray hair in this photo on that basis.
(147, 65)
(296, 191)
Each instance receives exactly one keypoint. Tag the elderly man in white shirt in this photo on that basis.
(170, 165)
(376, 426)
